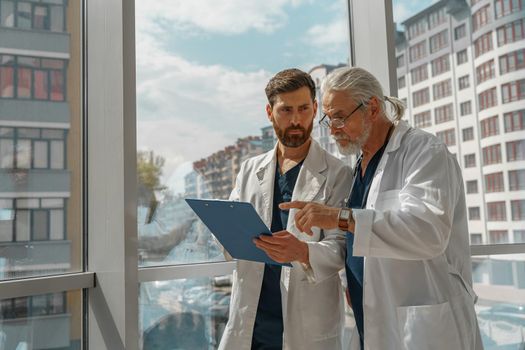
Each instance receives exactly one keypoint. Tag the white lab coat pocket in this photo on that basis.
(427, 327)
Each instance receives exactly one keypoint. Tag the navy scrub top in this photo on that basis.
(268, 328)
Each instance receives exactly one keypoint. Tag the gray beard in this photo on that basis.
(354, 147)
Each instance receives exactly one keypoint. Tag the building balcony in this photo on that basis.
(34, 43)
(32, 182)
(28, 113)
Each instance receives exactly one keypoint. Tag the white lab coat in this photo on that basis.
(312, 300)
(414, 237)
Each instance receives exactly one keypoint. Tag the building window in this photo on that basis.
(443, 114)
(468, 134)
(32, 78)
(518, 210)
(470, 160)
(422, 120)
(513, 91)
(473, 213)
(442, 89)
(514, 121)
(440, 65)
(438, 41)
(517, 180)
(487, 99)
(417, 28)
(476, 239)
(485, 71)
(417, 51)
(401, 82)
(472, 186)
(489, 126)
(448, 137)
(436, 18)
(480, 18)
(506, 7)
(512, 61)
(515, 150)
(419, 74)
(519, 236)
(511, 32)
(463, 82)
(400, 60)
(460, 32)
(483, 44)
(496, 211)
(420, 97)
(492, 154)
(462, 56)
(494, 182)
(38, 305)
(465, 108)
(33, 15)
(498, 236)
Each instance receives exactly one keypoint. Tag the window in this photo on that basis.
(401, 83)
(494, 182)
(476, 239)
(436, 18)
(489, 126)
(465, 108)
(506, 7)
(442, 89)
(440, 65)
(468, 134)
(519, 236)
(472, 186)
(32, 15)
(492, 154)
(512, 61)
(517, 180)
(419, 74)
(518, 210)
(480, 18)
(483, 44)
(36, 78)
(400, 61)
(498, 236)
(438, 41)
(514, 121)
(422, 120)
(470, 160)
(510, 32)
(417, 51)
(460, 32)
(513, 91)
(463, 82)
(487, 99)
(515, 150)
(417, 28)
(420, 97)
(448, 137)
(462, 56)
(485, 71)
(473, 213)
(496, 211)
(443, 114)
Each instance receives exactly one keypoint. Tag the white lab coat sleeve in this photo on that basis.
(327, 256)
(415, 222)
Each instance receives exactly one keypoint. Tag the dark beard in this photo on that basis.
(293, 140)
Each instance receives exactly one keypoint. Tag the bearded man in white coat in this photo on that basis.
(299, 307)
(407, 241)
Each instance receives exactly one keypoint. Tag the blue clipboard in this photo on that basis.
(234, 224)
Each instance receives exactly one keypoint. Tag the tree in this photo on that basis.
(149, 171)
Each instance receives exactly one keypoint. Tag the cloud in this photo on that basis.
(329, 36)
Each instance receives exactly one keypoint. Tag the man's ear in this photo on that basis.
(374, 107)
(315, 107)
(269, 112)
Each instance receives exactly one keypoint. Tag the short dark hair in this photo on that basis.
(288, 80)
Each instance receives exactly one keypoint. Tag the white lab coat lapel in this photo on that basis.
(266, 177)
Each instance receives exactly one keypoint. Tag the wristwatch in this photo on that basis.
(344, 218)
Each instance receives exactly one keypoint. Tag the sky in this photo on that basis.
(202, 66)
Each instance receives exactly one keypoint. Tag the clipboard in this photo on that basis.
(234, 224)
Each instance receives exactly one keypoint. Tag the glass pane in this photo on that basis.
(40, 164)
(201, 107)
(499, 282)
(49, 321)
(479, 104)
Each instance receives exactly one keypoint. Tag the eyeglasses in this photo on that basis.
(337, 123)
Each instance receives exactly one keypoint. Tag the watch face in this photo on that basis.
(345, 214)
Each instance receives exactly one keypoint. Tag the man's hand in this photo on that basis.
(283, 247)
(312, 214)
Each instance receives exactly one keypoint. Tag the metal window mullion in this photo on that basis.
(162, 273)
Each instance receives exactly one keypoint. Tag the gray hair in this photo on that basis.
(361, 85)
